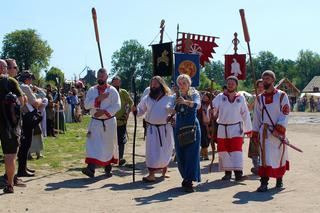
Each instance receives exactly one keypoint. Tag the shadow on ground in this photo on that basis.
(77, 183)
(164, 196)
(245, 197)
(172, 193)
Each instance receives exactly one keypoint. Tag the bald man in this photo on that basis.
(104, 102)
(3, 67)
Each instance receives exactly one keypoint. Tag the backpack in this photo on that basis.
(10, 108)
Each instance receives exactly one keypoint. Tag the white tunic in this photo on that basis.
(159, 137)
(102, 144)
(234, 120)
(274, 155)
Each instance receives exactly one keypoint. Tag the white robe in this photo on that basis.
(102, 144)
(158, 152)
(274, 155)
(68, 113)
(37, 140)
(234, 120)
(44, 117)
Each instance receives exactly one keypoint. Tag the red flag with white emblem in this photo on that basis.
(197, 44)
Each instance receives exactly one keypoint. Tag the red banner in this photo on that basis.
(235, 65)
(197, 44)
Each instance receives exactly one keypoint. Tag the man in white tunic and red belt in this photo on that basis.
(270, 122)
(156, 106)
(234, 121)
(103, 101)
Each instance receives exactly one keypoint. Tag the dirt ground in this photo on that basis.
(70, 191)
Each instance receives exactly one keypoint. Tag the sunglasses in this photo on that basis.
(16, 68)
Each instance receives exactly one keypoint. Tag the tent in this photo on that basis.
(313, 86)
(309, 94)
(287, 86)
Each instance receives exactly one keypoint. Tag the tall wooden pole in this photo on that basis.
(94, 16)
(135, 102)
(162, 26)
(247, 39)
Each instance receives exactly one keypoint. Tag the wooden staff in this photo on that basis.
(135, 101)
(58, 106)
(247, 39)
(162, 26)
(94, 16)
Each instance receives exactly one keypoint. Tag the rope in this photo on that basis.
(168, 36)
(154, 39)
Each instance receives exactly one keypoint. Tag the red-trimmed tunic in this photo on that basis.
(274, 154)
(234, 121)
(102, 144)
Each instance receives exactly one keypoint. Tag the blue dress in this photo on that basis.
(188, 156)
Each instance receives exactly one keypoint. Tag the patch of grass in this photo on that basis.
(67, 151)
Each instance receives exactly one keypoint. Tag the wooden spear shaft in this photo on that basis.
(135, 101)
(247, 39)
(94, 16)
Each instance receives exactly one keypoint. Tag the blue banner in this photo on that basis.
(188, 64)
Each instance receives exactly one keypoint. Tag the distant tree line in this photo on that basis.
(132, 56)
(33, 53)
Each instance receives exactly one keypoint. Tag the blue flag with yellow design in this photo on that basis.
(188, 64)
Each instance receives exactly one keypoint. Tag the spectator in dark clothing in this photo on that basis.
(8, 133)
(312, 104)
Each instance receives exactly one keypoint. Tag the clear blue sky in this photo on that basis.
(281, 26)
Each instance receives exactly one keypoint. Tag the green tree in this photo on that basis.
(264, 61)
(27, 48)
(36, 70)
(308, 66)
(132, 57)
(215, 71)
(207, 83)
(53, 74)
(286, 68)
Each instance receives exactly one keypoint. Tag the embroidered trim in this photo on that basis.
(286, 109)
(280, 129)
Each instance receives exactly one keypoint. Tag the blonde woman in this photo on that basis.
(187, 132)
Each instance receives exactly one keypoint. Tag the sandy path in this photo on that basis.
(70, 191)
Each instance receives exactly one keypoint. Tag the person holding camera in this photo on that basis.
(30, 119)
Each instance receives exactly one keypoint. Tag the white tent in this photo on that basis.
(314, 94)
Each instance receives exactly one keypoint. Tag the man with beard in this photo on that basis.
(234, 121)
(159, 138)
(103, 101)
(270, 121)
(122, 117)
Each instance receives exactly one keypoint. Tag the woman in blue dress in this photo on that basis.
(187, 153)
